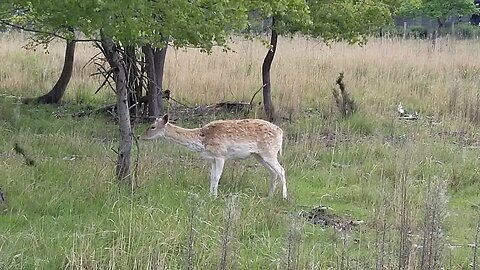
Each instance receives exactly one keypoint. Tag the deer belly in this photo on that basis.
(240, 151)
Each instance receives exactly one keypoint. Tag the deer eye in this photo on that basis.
(152, 127)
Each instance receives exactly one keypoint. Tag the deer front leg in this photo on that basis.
(215, 174)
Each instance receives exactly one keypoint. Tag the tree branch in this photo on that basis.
(44, 32)
(253, 97)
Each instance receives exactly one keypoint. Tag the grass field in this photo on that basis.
(415, 184)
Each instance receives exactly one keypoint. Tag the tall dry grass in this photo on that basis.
(441, 80)
(33, 71)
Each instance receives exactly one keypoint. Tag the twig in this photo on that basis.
(107, 75)
(102, 71)
(92, 59)
(137, 157)
(107, 108)
(115, 151)
(184, 105)
(45, 32)
(98, 44)
(253, 97)
(106, 80)
(2, 197)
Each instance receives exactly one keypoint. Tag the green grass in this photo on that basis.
(68, 211)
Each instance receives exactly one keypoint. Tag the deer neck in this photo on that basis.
(184, 136)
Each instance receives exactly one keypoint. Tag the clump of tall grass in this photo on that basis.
(228, 247)
(434, 238)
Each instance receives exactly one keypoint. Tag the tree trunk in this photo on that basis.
(159, 56)
(56, 94)
(267, 63)
(124, 148)
(441, 23)
(153, 91)
(133, 79)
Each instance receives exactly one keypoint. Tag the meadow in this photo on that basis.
(414, 184)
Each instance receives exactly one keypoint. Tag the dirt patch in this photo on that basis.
(321, 215)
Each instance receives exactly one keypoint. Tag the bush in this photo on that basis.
(467, 31)
(417, 31)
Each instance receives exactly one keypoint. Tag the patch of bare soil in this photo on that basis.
(323, 216)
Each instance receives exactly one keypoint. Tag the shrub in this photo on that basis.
(417, 31)
(467, 31)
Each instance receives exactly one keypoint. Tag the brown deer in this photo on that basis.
(228, 139)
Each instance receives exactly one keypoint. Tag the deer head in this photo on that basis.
(156, 130)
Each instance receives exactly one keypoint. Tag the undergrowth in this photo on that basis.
(68, 211)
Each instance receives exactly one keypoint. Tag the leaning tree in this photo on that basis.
(331, 21)
(24, 16)
(284, 16)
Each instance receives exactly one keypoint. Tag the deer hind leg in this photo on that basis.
(281, 172)
(215, 174)
(273, 174)
(272, 164)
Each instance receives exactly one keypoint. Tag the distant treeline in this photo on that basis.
(423, 26)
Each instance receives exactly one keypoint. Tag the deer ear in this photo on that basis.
(165, 118)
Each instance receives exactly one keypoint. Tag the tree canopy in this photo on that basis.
(203, 23)
(441, 9)
(207, 23)
(350, 21)
(437, 9)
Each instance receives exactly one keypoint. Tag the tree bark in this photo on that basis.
(133, 80)
(441, 23)
(159, 56)
(56, 94)
(267, 63)
(152, 89)
(125, 145)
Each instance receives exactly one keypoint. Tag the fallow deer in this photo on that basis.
(228, 139)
